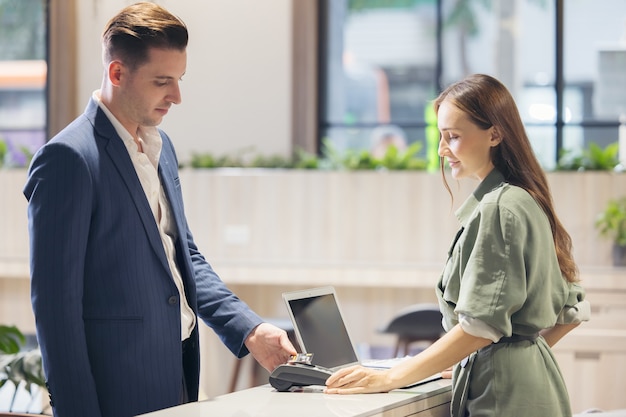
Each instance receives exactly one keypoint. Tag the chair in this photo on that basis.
(418, 322)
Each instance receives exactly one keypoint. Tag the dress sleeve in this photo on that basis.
(479, 328)
(576, 309)
(493, 287)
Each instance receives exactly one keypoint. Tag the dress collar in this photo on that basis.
(490, 183)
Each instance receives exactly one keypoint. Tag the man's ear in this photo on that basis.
(115, 71)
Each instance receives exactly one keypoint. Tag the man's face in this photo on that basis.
(147, 92)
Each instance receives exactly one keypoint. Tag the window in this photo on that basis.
(382, 61)
(378, 71)
(594, 69)
(22, 80)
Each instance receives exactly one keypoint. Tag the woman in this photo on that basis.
(509, 288)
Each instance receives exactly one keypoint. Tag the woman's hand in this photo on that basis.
(358, 380)
(441, 355)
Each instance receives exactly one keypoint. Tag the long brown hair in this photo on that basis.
(487, 103)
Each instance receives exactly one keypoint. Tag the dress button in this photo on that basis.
(173, 300)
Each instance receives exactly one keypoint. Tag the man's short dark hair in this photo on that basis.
(130, 34)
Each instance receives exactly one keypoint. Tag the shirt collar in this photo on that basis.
(149, 136)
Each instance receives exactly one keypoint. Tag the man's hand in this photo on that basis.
(269, 345)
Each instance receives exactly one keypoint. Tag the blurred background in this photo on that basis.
(279, 75)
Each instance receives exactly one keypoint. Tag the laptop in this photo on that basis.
(320, 329)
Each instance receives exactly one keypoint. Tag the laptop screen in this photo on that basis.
(320, 328)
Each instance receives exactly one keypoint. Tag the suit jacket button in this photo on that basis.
(173, 300)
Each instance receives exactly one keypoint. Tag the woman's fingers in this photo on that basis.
(343, 377)
(355, 380)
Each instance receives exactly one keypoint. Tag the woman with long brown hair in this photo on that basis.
(509, 290)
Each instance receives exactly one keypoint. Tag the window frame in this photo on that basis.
(61, 57)
(559, 123)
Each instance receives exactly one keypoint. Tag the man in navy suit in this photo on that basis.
(117, 280)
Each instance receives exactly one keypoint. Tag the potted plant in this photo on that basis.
(3, 151)
(611, 223)
(593, 158)
(21, 367)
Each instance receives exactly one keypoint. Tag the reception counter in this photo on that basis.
(427, 400)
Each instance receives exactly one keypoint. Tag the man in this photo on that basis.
(117, 280)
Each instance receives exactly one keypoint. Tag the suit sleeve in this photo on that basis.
(230, 317)
(59, 194)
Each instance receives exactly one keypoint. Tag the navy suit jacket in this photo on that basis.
(106, 307)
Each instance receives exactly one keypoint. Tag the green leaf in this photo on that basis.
(611, 223)
(11, 339)
(593, 158)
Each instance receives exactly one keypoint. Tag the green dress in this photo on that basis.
(502, 270)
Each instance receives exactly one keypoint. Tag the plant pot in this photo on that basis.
(619, 255)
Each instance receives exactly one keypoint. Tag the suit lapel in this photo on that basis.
(169, 180)
(168, 173)
(121, 160)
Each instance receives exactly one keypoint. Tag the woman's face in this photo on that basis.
(465, 146)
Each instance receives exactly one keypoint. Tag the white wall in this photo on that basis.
(237, 90)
